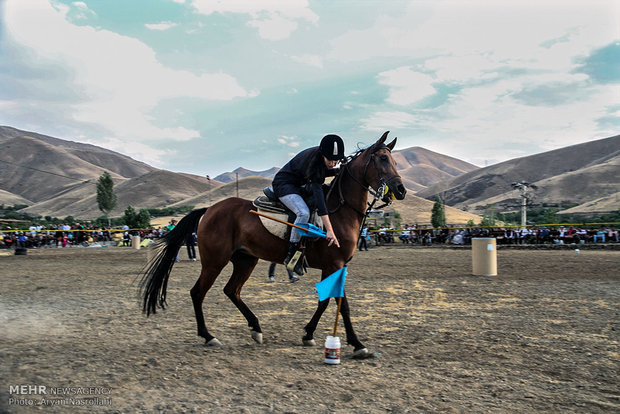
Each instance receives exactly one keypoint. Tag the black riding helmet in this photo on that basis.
(332, 147)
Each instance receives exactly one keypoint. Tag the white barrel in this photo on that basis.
(135, 242)
(484, 256)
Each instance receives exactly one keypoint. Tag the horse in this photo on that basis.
(228, 232)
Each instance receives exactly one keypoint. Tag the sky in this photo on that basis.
(206, 86)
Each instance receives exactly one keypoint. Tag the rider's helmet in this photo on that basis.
(332, 147)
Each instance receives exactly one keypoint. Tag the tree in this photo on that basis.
(136, 220)
(144, 218)
(106, 199)
(130, 217)
(438, 215)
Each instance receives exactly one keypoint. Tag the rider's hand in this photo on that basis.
(331, 238)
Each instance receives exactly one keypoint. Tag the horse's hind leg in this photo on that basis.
(198, 292)
(243, 264)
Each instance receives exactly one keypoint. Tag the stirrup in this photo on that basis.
(296, 264)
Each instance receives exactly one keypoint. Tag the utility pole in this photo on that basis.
(523, 188)
(209, 190)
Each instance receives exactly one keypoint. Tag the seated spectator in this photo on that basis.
(612, 234)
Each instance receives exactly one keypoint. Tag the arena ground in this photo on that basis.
(542, 336)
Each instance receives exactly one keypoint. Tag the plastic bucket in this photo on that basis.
(332, 350)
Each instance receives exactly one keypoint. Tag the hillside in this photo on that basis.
(229, 177)
(155, 189)
(37, 167)
(58, 178)
(421, 168)
(578, 173)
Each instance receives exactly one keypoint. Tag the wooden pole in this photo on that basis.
(278, 220)
(337, 313)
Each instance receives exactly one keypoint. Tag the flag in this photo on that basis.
(333, 285)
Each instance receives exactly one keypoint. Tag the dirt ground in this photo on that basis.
(542, 336)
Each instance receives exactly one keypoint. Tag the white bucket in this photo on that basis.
(135, 242)
(332, 350)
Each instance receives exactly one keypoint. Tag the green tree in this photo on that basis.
(438, 215)
(130, 217)
(106, 199)
(137, 220)
(144, 218)
(488, 220)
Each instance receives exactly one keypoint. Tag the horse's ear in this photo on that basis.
(383, 138)
(392, 144)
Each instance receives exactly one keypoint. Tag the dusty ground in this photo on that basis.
(541, 337)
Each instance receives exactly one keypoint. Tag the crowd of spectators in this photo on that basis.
(412, 235)
(65, 235)
(77, 234)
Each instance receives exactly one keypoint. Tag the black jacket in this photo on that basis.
(306, 168)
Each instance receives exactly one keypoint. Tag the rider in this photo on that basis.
(309, 169)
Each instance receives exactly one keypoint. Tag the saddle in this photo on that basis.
(270, 205)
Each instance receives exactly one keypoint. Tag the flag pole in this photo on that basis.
(337, 313)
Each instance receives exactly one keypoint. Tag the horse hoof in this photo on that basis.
(213, 342)
(309, 342)
(258, 337)
(362, 354)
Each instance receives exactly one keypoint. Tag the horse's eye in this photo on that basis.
(383, 158)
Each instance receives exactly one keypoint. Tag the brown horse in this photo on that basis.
(227, 231)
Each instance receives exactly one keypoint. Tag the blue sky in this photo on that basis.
(205, 86)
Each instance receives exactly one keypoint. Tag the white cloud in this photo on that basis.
(160, 26)
(311, 60)
(119, 77)
(82, 10)
(406, 86)
(274, 27)
(274, 19)
(289, 141)
(383, 121)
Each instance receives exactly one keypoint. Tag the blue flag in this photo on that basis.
(333, 285)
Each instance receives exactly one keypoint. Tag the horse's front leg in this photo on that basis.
(360, 350)
(308, 338)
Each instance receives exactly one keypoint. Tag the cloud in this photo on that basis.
(118, 79)
(289, 141)
(81, 10)
(274, 19)
(383, 121)
(406, 86)
(160, 26)
(310, 60)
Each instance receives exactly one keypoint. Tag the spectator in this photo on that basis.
(363, 242)
(190, 243)
(272, 275)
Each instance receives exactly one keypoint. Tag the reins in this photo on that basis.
(380, 194)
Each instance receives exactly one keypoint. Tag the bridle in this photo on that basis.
(379, 194)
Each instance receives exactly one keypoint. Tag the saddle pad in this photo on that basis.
(277, 210)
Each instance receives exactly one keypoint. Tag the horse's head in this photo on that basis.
(380, 168)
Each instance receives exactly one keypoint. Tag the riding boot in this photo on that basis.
(292, 248)
(295, 259)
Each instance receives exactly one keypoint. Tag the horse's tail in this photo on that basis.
(156, 273)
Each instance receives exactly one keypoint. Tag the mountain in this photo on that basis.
(421, 168)
(229, 177)
(58, 178)
(37, 167)
(577, 174)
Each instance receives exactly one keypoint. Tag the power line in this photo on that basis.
(46, 172)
